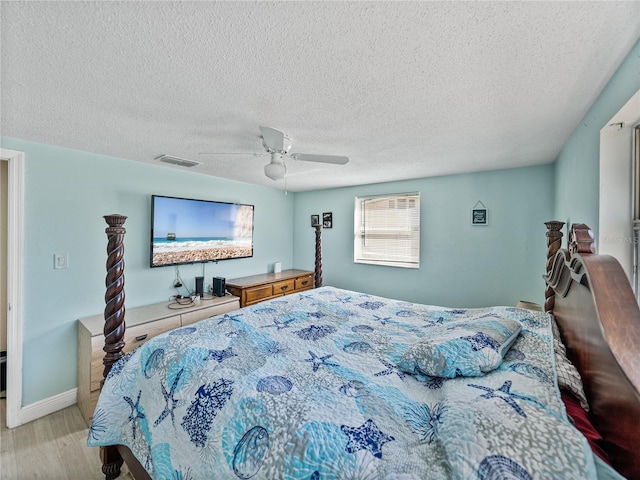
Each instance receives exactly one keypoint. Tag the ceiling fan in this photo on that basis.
(278, 145)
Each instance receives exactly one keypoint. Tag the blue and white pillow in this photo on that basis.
(467, 348)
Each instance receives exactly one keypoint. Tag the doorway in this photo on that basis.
(13, 244)
(4, 183)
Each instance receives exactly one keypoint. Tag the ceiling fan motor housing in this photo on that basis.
(274, 140)
(282, 146)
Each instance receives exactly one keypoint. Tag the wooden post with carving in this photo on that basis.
(581, 240)
(318, 267)
(114, 325)
(554, 243)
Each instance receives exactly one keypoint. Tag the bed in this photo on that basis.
(333, 383)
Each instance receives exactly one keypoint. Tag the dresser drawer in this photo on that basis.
(303, 283)
(284, 287)
(255, 294)
(133, 337)
(138, 334)
(265, 286)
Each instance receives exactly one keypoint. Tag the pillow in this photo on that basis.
(568, 377)
(466, 348)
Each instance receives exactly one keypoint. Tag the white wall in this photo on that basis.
(616, 186)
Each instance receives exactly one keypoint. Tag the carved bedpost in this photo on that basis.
(554, 243)
(318, 268)
(581, 239)
(114, 325)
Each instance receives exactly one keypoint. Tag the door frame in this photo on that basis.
(15, 282)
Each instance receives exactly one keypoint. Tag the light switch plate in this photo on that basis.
(60, 261)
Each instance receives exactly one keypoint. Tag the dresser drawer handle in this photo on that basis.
(304, 282)
(284, 287)
(140, 338)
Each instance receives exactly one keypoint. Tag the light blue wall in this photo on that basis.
(578, 164)
(66, 194)
(460, 264)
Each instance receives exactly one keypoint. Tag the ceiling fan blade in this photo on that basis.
(273, 139)
(310, 157)
(246, 154)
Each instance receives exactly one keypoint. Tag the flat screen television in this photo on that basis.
(185, 230)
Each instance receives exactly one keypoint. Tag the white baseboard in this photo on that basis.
(49, 405)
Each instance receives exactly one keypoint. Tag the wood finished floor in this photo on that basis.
(52, 448)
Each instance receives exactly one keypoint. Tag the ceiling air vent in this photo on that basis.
(177, 161)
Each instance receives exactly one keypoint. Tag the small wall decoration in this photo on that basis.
(315, 220)
(327, 220)
(479, 214)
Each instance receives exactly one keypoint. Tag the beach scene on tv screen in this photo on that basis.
(186, 231)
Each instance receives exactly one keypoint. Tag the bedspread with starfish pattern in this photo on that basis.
(307, 386)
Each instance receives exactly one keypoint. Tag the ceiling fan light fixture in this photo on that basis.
(275, 171)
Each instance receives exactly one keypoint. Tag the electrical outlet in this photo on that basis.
(177, 284)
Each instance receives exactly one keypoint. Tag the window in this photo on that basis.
(387, 230)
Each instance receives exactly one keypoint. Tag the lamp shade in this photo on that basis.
(275, 171)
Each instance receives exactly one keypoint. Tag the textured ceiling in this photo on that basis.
(405, 89)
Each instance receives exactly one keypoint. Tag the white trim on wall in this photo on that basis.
(616, 214)
(15, 270)
(48, 405)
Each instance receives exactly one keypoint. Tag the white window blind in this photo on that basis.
(387, 230)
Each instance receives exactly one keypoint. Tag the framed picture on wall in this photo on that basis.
(327, 220)
(479, 215)
(315, 220)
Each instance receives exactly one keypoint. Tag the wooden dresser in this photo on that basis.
(257, 288)
(142, 324)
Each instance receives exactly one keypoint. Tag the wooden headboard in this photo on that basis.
(598, 316)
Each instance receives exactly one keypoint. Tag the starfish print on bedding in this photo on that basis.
(318, 361)
(390, 369)
(343, 300)
(135, 411)
(227, 317)
(170, 403)
(504, 393)
(278, 324)
(383, 321)
(366, 437)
